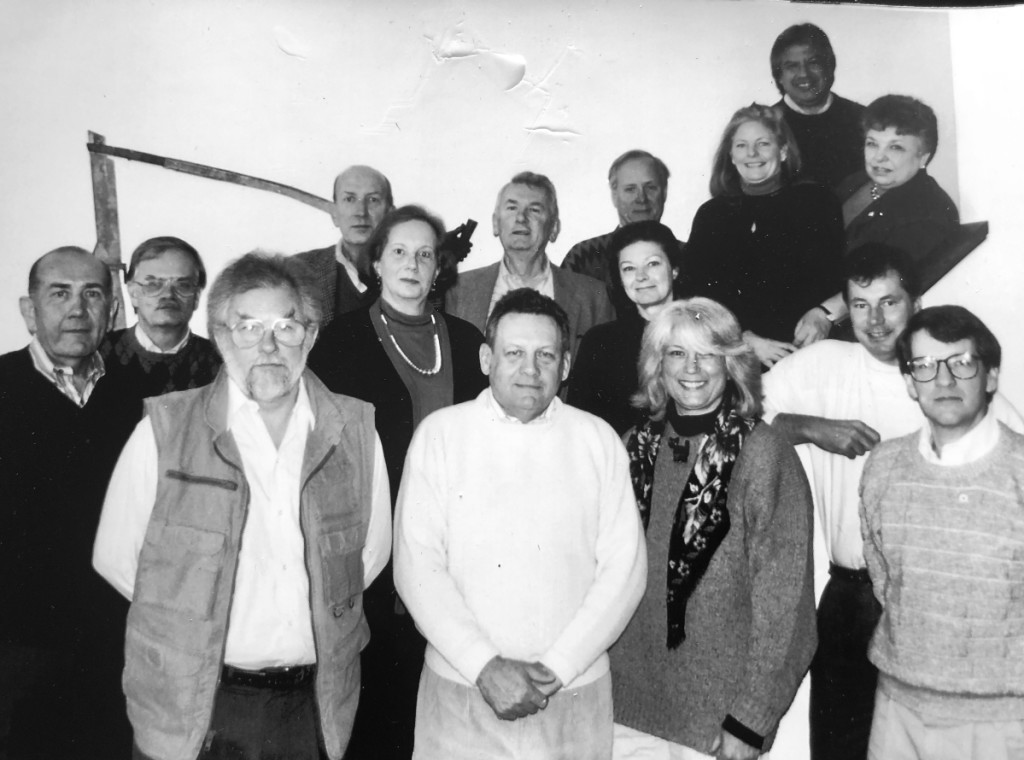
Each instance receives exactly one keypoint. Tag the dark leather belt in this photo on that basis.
(847, 574)
(268, 678)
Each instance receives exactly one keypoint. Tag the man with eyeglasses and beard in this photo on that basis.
(243, 520)
(942, 514)
(160, 353)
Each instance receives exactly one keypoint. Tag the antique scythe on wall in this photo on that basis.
(104, 196)
(108, 236)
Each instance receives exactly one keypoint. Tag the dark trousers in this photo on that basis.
(391, 666)
(842, 679)
(58, 704)
(261, 723)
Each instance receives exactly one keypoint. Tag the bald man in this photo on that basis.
(362, 196)
(64, 423)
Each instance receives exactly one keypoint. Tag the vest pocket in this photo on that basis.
(341, 558)
(180, 568)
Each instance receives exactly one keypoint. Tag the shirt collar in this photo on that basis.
(816, 112)
(542, 284)
(504, 416)
(349, 266)
(970, 447)
(147, 343)
(239, 404)
(63, 377)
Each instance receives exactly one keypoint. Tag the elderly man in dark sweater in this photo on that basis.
(64, 422)
(827, 127)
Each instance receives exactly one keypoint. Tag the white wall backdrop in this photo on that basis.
(450, 98)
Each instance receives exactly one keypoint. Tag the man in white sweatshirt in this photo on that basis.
(519, 553)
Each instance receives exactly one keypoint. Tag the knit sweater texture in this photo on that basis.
(750, 630)
(945, 549)
(146, 374)
(522, 540)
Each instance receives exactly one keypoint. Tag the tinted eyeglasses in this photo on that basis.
(963, 366)
(247, 333)
(185, 287)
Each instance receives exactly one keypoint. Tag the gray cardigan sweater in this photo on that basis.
(750, 631)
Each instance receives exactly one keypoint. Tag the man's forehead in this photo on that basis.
(71, 268)
(636, 168)
(889, 284)
(167, 260)
(520, 327)
(521, 193)
(923, 342)
(360, 181)
(802, 50)
(267, 301)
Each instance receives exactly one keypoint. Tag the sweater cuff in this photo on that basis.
(741, 732)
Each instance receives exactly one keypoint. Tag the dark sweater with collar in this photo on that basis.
(831, 143)
(146, 374)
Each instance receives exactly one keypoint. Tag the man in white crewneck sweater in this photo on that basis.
(519, 553)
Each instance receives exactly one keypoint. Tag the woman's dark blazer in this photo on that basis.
(916, 217)
(350, 359)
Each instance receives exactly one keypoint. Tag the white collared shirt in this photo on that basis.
(806, 111)
(63, 378)
(145, 341)
(350, 268)
(970, 447)
(270, 620)
(508, 281)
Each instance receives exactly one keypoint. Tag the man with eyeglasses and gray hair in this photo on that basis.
(942, 514)
(160, 353)
(243, 521)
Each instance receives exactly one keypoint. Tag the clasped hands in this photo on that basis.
(514, 688)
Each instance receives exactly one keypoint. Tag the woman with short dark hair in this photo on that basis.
(893, 200)
(604, 376)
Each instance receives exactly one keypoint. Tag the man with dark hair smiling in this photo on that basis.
(826, 126)
(841, 399)
(941, 517)
(519, 553)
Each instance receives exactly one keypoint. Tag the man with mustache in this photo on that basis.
(243, 520)
(160, 353)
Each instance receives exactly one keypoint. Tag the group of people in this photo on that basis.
(527, 510)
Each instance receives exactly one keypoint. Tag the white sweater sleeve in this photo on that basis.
(421, 559)
(619, 579)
